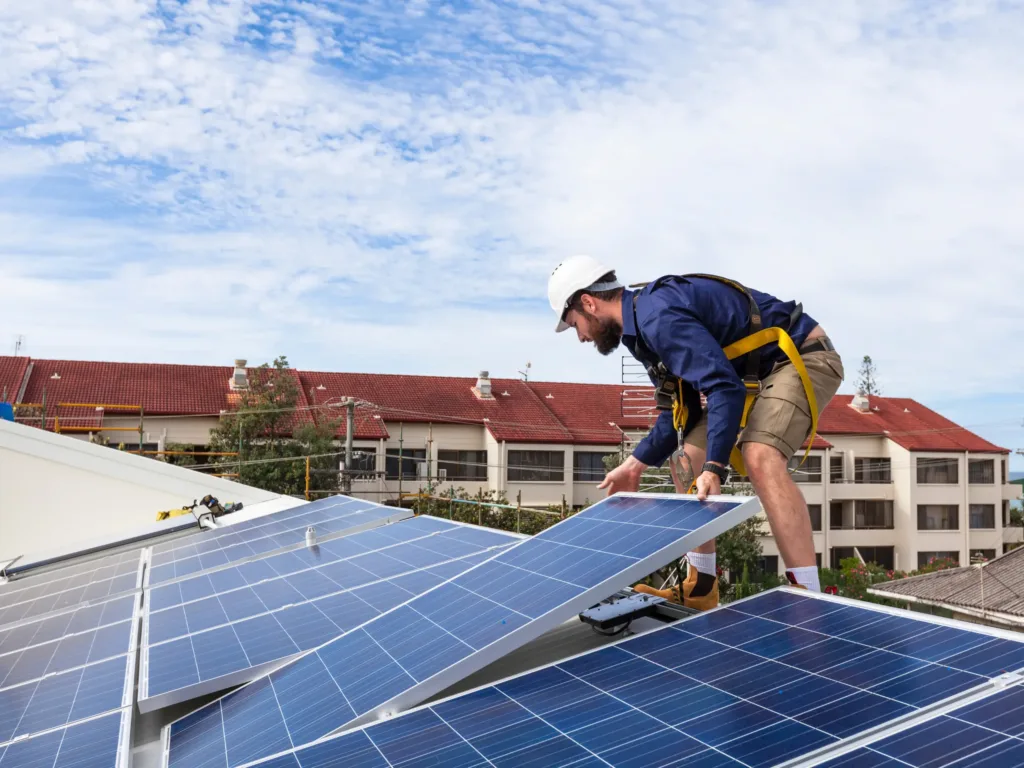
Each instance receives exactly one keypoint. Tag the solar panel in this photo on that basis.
(69, 593)
(83, 619)
(763, 681)
(279, 531)
(214, 643)
(123, 567)
(98, 743)
(71, 651)
(986, 732)
(422, 647)
(275, 566)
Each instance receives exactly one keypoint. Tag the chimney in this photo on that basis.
(483, 386)
(239, 378)
(860, 402)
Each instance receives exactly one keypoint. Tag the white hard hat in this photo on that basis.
(575, 274)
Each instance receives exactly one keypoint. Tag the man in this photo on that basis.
(683, 324)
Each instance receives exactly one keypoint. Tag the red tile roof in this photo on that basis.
(904, 421)
(12, 373)
(534, 412)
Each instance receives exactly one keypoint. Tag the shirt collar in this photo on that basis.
(628, 326)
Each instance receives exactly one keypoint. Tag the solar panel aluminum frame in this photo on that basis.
(813, 758)
(397, 516)
(249, 674)
(745, 508)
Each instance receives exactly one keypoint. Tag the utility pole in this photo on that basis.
(19, 342)
(350, 433)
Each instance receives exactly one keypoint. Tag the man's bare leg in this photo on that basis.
(783, 504)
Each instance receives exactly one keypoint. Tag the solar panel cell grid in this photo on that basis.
(33, 585)
(249, 574)
(234, 546)
(73, 622)
(92, 744)
(391, 659)
(67, 653)
(700, 693)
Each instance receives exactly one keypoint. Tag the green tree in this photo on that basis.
(267, 429)
(866, 381)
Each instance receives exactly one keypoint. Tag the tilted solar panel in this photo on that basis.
(220, 641)
(422, 647)
(766, 681)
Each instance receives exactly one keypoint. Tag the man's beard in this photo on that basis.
(607, 335)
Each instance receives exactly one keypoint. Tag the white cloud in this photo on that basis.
(248, 180)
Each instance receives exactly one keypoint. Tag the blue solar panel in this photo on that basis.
(73, 622)
(195, 643)
(242, 577)
(67, 653)
(62, 699)
(33, 585)
(96, 743)
(987, 732)
(398, 659)
(67, 593)
(726, 688)
(329, 517)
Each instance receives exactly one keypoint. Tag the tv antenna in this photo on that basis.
(526, 373)
(19, 342)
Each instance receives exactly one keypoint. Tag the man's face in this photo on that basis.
(605, 332)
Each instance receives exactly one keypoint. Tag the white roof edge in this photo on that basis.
(106, 461)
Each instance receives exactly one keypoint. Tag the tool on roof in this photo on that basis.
(216, 509)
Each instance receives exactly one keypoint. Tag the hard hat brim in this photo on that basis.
(562, 326)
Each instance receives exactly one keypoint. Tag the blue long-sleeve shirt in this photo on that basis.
(685, 323)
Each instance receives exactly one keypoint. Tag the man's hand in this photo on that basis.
(625, 477)
(708, 484)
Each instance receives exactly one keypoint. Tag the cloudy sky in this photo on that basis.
(384, 185)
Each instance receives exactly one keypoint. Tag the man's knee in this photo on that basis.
(762, 460)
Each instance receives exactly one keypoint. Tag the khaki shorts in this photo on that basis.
(781, 416)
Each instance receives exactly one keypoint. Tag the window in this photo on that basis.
(462, 465)
(1006, 514)
(925, 558)
(364, 461)
(983, 515)
(410, 461)
(768, 564)
(808, 472)
(839, 554)
(938, 517)
(982, 555)
(1003, 462)
(817, 559)
(883, 556)
(815, 511)
(872, 471)
(588, 466)
(536, 466)
(872, 514)
(835, 469)
(938, 471)
(835, 516)
(1010, 547)
(981, 471)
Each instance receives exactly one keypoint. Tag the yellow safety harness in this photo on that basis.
(749, 346)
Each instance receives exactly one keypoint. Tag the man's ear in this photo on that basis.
(589, 304)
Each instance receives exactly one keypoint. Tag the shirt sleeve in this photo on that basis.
(659, 443)
(690, 352)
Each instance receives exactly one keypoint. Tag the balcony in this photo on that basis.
(854, 491)
(1012, 492)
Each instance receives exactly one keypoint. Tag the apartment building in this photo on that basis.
(887, 477)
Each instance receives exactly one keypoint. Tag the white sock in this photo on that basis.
(703, 563)
(807, 577)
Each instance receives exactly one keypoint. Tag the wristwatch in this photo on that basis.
(722, 472)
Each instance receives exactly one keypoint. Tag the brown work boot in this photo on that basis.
(702, 603)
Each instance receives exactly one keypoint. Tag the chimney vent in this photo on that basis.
(483, 386)
(240, 377)
(860, 402)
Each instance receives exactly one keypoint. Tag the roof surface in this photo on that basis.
(519, 412)
(962, 587)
